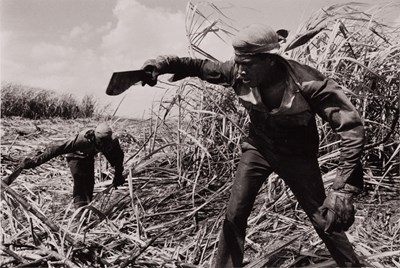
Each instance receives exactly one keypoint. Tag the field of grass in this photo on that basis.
(36, 103)
(181, 162)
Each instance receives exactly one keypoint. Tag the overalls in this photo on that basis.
(284, 141)
(82, 171)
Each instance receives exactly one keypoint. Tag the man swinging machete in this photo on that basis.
(282, 98)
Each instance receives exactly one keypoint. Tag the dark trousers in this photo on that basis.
(82, 171)
(303, 177)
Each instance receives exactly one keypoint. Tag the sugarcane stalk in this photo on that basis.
(25, 204)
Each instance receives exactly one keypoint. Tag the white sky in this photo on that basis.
(74, 46)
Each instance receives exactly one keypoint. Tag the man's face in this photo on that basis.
(104, 144)
(253, 69)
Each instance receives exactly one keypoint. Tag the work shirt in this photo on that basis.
(83, 146)
(289, 130)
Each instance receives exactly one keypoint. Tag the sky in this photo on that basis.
(74, 46)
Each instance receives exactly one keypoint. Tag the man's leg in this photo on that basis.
(304, 179)
(82, 171)
(251, 173)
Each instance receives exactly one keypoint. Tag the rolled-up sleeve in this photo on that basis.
(328, 100)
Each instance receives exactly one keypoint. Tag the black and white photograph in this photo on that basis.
(200, 134)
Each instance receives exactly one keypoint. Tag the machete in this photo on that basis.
(121, 81)
(10, 178)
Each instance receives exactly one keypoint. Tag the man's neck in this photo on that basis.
(277, 74)
(273, 87)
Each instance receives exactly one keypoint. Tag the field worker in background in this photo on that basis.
(80, 151)
(282, 98)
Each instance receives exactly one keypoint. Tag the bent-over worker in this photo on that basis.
(80, 151)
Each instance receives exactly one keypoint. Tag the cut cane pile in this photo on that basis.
(167, 215)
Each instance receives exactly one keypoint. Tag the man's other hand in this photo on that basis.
(338, 211)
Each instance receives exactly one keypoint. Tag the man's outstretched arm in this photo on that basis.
(212, 72)
(73, 144)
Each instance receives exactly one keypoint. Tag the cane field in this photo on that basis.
(180, 163)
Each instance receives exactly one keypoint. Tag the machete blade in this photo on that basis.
(121, 81)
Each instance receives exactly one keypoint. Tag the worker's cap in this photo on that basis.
(103, 131)
(254, 39)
